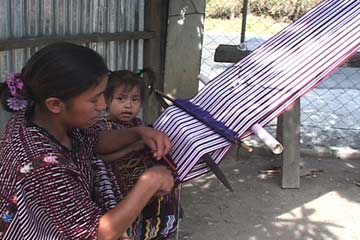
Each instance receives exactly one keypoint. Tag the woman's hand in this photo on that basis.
(157, 141)
(155, 181)
(160, 178)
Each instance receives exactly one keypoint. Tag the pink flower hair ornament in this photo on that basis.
(17, 101)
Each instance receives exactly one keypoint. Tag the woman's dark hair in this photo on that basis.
(63, 70)
(130, 80)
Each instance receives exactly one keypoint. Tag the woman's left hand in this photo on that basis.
(157, 141)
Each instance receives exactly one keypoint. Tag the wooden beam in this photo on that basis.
(16, 43)
(229, 53)
(154, 51)
(233, 54)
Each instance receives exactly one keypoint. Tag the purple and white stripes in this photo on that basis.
(264, 84)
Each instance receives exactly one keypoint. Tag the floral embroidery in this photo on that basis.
(46, 160)
(14, 200)
(9, 214)
(26, 168)
(51, 159)
(7, 217)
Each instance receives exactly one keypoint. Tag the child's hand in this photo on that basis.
(157, 141)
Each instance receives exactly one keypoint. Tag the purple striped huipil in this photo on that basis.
(46, 190)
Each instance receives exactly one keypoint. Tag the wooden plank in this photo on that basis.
(9, 44)
(233, 54)
(229, 53)
(288, 133)
(154, 51)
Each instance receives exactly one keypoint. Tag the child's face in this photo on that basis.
(126, 104)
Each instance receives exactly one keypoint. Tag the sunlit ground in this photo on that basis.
(325, 207)
(323, 218)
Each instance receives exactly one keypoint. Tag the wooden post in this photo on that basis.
(155, 21)
(288, 133)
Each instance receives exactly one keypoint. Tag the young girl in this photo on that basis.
(125, 94)
(46, 189)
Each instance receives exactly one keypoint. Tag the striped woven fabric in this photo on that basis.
(264, 84)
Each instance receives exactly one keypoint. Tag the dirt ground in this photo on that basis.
(327, 205)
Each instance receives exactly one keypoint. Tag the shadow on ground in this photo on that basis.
(326, 206)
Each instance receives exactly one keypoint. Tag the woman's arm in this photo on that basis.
(114, 140)
(134, 147)
(155, 181)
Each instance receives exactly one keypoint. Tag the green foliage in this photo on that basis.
(223, 8)
(284, 10)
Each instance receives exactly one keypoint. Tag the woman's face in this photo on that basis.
(125, 104)
(85, 110)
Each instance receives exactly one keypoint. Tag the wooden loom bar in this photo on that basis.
(233, 54)
(29, 42)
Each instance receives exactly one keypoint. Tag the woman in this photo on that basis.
(46, 189)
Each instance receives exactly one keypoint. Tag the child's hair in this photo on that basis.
(62, 70)
(129, 80)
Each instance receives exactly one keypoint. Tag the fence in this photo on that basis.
(330, 114)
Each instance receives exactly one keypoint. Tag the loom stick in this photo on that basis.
(269, 140)
(217, 171)
(160, 97)
(185, 105)
(204, 79)
(246, 147)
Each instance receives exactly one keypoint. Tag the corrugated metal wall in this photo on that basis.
(39, 18)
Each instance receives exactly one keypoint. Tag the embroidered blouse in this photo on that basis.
(109, 190)
(46, 190)
(158, 219)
